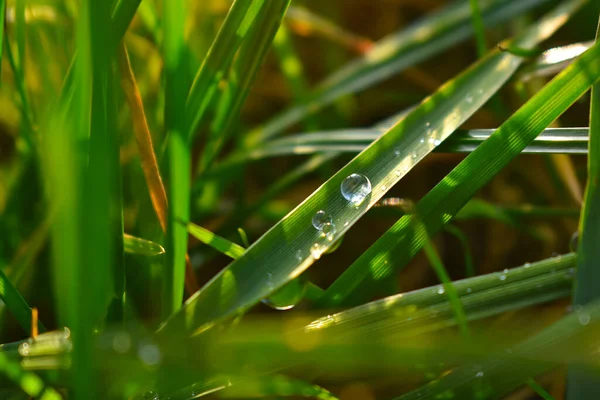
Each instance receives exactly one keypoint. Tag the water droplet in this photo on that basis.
(414, 155)
(328, 231)
(355, 188)
(479, 374)
(384, 188)
(437, 142)
(527, 265)
(288, 296)
(422, 140)
(151, 396)
(505, 270)
(440, 290)
(316, 250)
(299, 256)
(149, 353)
(469, 98)
(346, 223)
(502, 277)
(320, 218)
(398, 173)
(397, 151)
(584, 318)
(469, 290)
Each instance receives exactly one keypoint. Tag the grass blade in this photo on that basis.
(293, 244)
(220, 244)
(582, 383)
(178, 156)
(16, 304)
(142, 247)
(393, 54)
(397, 246)
(478, 28)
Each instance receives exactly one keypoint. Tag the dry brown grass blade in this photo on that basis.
(566, 172)
(158, 195)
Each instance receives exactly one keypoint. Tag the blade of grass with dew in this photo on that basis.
(16, 304)
(139, 246)
(293, 244)
(218, 60)
(392, 54)
(583, 382)
(566, 340)
(478, 27)
(178, 156)
(243, 72)
(401, 242)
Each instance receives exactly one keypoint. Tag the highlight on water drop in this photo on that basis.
(355, 188)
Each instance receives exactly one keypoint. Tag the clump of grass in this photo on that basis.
(142, 152)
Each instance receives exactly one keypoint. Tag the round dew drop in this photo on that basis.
(320, 218)
(355, 188)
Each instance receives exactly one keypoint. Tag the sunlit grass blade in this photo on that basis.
(293, 244)
(218, 60)
(393, 54)
(570, 339)
(553, 60)
(29, 382)
(397, 246)
(241, 76)
(582, 383)
(478, 27)
(220, 244)
(178, 156)
(16, 304)
(142, 247)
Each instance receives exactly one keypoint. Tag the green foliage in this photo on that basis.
(83, 160)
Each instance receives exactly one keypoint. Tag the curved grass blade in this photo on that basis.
(566, 340)
(142, 247)
(393, 54)
(293, 244)
(401, 242)
(581, 385)
(553, 61)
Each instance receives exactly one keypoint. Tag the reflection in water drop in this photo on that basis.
(440, 290)
(320, 218)
(288, 296)
(328, 231)
(355, 188)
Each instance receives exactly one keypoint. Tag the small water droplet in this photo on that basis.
(316, 250)
(437, 142)
(299, 256)
(328, 231)
(469, 290)
(469, 98)
(346, 223)
(527, 265)
(384, 188)
(584, 318)
(355, 188)
(422, 140)
(414, 155)
(320, 218)
(502, 277)
(441, 290)
(397, 151)
(398, 173)
(151, 396)
(479, 374)
(505, 270)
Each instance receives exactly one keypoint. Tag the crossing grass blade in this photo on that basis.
(220, 244)
(139, 246)
(587, 281)
(393, 54)
(397, 246)
(293, 244)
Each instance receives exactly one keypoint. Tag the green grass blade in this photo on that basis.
(582, 385)
(478, 27)
(437, 208)
(242, 75)
(393, 54)
(29, 382)
(178, 156)
(2, 21)
(142, 247)
(553, 61)
(539, 390)
(16, 304)
(293, 244)
(464, 242)
(217, 61)
(220, 244)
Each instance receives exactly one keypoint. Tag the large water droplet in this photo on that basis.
(355, 188)
(320, 218)
(288, 296)
(440, 290)
(328, 231)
